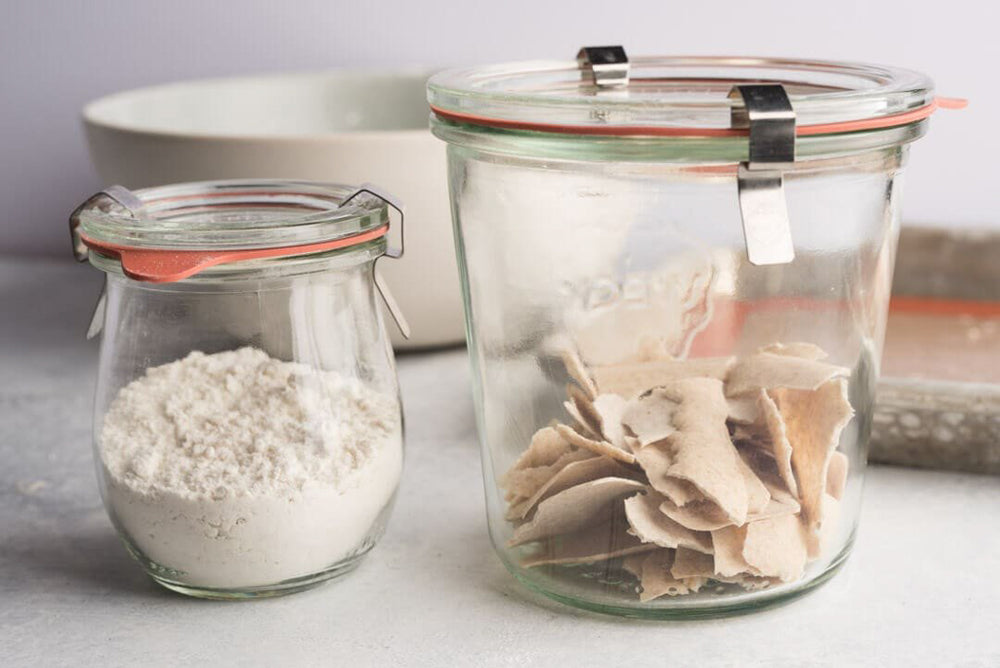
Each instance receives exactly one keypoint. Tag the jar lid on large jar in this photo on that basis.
(603, 98)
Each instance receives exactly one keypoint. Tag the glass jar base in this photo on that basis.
(675, 610)
(166, 577)
(284, 588)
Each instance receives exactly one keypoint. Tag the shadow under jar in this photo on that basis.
(248, 431)
(676, 278)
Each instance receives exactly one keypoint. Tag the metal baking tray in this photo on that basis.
(938, 401)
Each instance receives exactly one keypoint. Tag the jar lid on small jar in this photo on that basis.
(170, 233)
(606, 94)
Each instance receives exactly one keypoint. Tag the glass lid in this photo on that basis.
(677, 96)
(170, 233)
(236, 214)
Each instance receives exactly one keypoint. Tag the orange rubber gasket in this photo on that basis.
(162, 265)
(894, 120)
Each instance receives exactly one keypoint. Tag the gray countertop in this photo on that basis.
(922, 588)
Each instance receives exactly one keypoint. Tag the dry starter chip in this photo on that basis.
(781, 448)
(699, 450)
(575, 508)
(813, 421)
(598, 543)
(597, 447)
(578, 372)
(657, 580)
(631, 380)
(805, 350)
(775, 547)
(692, 564)
(768, 371)
(574, 473)
(836, 475)
(652, 526)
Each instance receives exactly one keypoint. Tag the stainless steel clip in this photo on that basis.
(120, 195)
(124, 198)
(767, 112)
(607, 65)
(391, 304)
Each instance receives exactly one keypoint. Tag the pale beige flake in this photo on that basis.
(652, 526)
(546, 447)
(597, 447)
(775, 547)
(574, 509)
(692, 564)
(650, 417)
(769, 371)
(781, 448)
(571, 475)
(743, 410)
(699, 515)
(749, 582)
(656, 462)
(609, 409)
(633, 563)
(581, 423)
(803, 349)
(657, 580)
(523, 483)
(836, 475)
(758, 496)
(590, 545)
(700, 451)
(775, 508)
(826, 540)
(585, 407)
(631, 380)
(813, 421)
(576, 370)
(728, 545)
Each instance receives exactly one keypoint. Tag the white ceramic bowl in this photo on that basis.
(338, 126)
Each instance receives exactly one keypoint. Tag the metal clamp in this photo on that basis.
(120, 195)
(369, 189)
(391, 304)
(608, 65)
(767, 112)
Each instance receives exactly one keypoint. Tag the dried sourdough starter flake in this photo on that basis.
(768, 371)
(574, 509)
(780, 447)
(775, 547)
(574, 473)
(631, 380)
(652, 526)
(657, 580)
(596, 447)
(813, 421)
(597, 543)
(699, 451)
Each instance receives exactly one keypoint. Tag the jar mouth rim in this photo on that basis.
(678, 96)
(169, 233)
(230, 215)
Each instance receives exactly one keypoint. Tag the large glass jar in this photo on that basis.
(247, 427)
(674, 407)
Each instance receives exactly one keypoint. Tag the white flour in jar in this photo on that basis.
(239, 470)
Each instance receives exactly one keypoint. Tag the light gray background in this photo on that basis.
(57, 54)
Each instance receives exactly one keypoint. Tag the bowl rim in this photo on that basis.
(93, 113)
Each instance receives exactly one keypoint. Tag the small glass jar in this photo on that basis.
(674, 407)
(248, 431)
